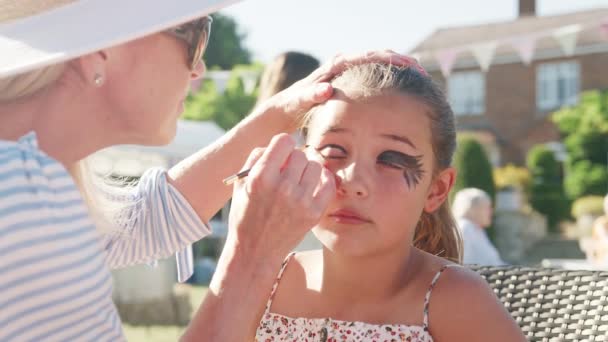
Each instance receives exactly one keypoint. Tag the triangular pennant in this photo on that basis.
(566, 37)
(604, 28)
(525, 47)
(484, 53)
(446, 59)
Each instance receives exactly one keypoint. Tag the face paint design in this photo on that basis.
(411, 165)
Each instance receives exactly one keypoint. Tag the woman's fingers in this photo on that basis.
(294, 168)
(268, 167)
(341, 62)
(311, 178)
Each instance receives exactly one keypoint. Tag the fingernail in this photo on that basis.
(323, 89)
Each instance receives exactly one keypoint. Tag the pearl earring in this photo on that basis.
(98, 80)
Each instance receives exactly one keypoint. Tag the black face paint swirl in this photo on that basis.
(411, 165)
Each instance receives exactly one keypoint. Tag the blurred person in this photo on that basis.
(472, 209)
(598, 250)
(79, 76)
(283, 71)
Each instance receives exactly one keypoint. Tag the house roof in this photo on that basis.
(467, 35)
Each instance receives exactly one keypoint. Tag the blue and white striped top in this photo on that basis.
(55, 282)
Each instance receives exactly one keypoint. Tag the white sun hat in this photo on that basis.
(38, 33)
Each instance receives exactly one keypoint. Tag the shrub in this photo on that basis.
(593, 205)
(546, 193)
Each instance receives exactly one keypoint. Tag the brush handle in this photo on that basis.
(244, 173)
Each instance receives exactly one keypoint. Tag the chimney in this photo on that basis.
(527, 8)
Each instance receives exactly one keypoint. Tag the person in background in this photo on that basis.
(598, 250)
(472, 209)
(283, 71)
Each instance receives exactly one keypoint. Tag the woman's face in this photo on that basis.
(483, 213)
(147, 83)
(380, 150)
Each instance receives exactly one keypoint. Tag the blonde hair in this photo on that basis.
(435, 233)
(24, 85)
(101, 200)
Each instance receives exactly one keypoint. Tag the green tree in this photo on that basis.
(226, 44)
(228, 108)
(202, 105)
(546, 191)
(585, 131)
(473, 167)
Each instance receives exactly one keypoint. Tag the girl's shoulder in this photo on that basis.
(461, 301)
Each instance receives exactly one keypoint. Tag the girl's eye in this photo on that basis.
(410, 165)
(393, 159)
(332, 151)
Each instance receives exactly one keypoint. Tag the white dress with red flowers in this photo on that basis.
(276, 327)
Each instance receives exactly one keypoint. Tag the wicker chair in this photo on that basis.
(553, 304)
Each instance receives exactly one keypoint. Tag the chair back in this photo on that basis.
(553, 304)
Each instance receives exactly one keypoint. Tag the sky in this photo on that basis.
(323, 28)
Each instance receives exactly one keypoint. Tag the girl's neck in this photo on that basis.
(375, 277)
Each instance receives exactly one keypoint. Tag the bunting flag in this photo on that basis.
(566, 37)
(525, 48)
(604, 28)
(446, 59)
(484, 54)
(524, 45)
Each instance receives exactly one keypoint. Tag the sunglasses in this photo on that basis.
(196, 34)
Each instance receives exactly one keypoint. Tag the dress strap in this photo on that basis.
(276, 283)
(427, 297)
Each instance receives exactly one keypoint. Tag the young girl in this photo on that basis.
(387, 270)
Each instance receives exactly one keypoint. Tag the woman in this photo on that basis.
(78, 76)
(473, 211)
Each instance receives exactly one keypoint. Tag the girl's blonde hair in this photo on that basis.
(435, 233)
(103, 201)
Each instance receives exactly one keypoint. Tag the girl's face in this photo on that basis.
(380, 151)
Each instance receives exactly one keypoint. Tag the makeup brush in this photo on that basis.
(244, 173)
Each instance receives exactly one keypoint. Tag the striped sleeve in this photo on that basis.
(160, 222)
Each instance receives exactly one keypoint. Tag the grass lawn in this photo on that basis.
(160, 333)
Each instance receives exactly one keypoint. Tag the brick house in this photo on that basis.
(507, 106)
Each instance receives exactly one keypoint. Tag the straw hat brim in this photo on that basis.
(85, 26)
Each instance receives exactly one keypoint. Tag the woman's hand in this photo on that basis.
(283, 197)
(292, 102)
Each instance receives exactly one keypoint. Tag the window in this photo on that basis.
(466, 92)
(557, 84)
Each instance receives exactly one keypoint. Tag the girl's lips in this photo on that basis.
(348, 216)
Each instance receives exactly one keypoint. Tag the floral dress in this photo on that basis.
(276, 327)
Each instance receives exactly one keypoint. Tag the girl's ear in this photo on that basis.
(440, 189)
